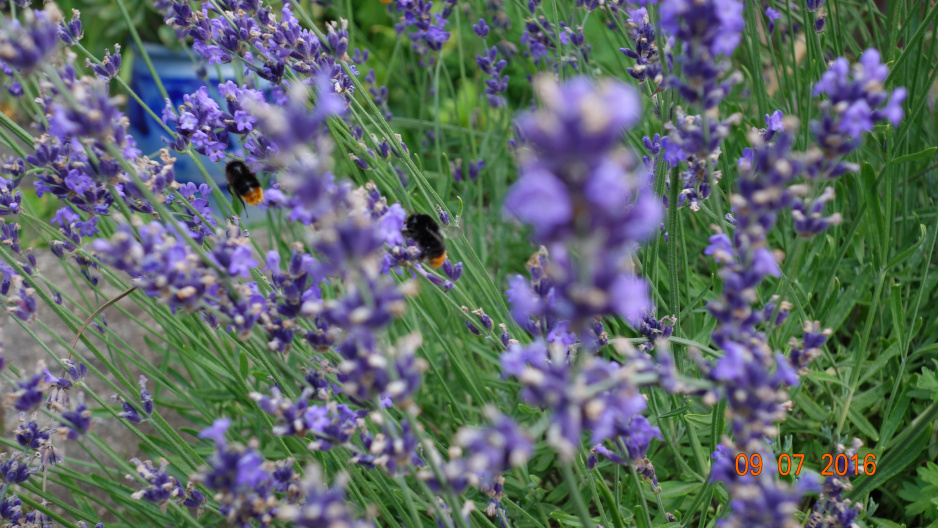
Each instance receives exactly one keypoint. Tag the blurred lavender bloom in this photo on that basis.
(496, 84)
(367, 373)
(30, 435)
(856, 101)
(481, 29)
(493, 450)
(596, 398)
(242, 479)
(15, 468)
(28, 45)
(162, 488)
(394, 450)
(587, 204)
(29, 394)
(708, 29)
(329, 424)
(772, 16)
(541, 38)
(71, 32)
(75, 423)
(427, 30)
(756, 500)
(324, 506)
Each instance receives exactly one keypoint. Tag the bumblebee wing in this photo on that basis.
(450, 231)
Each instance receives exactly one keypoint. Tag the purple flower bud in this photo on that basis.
(772, 15)
(592, 461)
(481, 29)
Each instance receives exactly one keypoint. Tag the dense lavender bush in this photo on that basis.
(687, 277)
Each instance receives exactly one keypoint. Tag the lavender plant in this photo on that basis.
(688, 259)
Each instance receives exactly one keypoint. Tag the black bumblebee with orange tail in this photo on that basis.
(425, 231)
(243, 183)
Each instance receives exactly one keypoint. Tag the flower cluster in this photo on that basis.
(542, 39)
(29, 45)
(645, 53)
(323, 506)
(245, 483)
(752, 377)
(479, 457)
(757, 500)
(368, 381)
(428, 30)
(129, 412)
(587, 204)
(856, 101)
(162, 488)
(268, 47)
(710, 30)
(597, 396)
(695, 142)
(833, 510)
(497, 83)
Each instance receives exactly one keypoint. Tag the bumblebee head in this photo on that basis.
(419, 223)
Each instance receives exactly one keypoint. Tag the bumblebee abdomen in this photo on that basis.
(436, 262)
(254, 196)
(243, 182)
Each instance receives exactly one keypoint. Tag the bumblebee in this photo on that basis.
(243, 183)
(424, 230)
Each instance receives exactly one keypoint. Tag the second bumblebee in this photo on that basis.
(424, 230)
(243, 183)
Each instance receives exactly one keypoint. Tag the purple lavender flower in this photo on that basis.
(772, 16)
(646, 52)
(15, 468)
(708, 29)
(110, 64)
(583, 197)
(75, 423)
(394, 449)
(497, 84)
(833, 509)
(162, 488)
(29, 394)
(751, 376)
(856, 100)
(243, 481)
(324, 506)
(329, 424)
(493, 450)
(759, 500)
(541, 38)
(26, 46)
(699, 149)
(129, 412)
(71, 32)
(596, 398)
(30, 435)
(481, 29)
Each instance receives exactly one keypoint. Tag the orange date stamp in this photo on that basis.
(839, 464)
